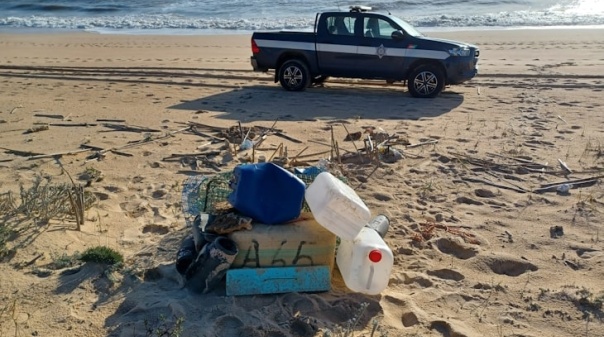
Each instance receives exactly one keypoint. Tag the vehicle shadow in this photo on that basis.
(334, 101)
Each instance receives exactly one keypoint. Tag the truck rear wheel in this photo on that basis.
(294, 75)
(426, 81)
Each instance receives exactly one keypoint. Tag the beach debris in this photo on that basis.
(427, 142)
(111, 120)
(553, 187)
(227, 223)
(185, 255)
(91, 175)
(15, 109)
(564, 166)
(68, 124)
(128, 128)
(211, 265)
(50, 116)
(389, 154)
(56, 154)
(564, 189)
(37, 129)
(20, 153)
(353, 136)
(556, 232)
(428, 230)
(284, 136)
(490, 183)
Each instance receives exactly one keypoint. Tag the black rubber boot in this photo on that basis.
(185, 255)
(211, 265)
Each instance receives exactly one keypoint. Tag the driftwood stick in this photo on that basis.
(145, 141)
(207, 135)
(525, 161)
(274, 153)
(299, 156)
(353, 143)
(194, 154)
(241, 130)
(368, 176)
(331, 144)
(111, 120)
(74, 207)
(564, 166)
(486, 182)
(91, 147)
(129, 128)
(541, 170)
(325, 144)
(574, 182)
(259, 141)
(38, 128)
(553, 188)
(299, 153)
(428, 142)
(211, 127)
(120, 153)
(58, 154)
(21, 153)
(275, 123)
(292, 139)
(100, 154)
(49, 116)
(70, 124)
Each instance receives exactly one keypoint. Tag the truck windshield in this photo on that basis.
(406, 27)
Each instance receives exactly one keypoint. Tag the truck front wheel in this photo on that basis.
(294, 75)
(426, 81)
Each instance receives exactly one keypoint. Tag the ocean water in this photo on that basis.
(234, 16)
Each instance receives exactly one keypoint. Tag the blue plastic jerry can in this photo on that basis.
(267, 193)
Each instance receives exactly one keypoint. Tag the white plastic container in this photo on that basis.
(365, 262)
(336, 206)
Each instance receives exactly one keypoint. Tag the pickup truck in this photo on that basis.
(363, 44)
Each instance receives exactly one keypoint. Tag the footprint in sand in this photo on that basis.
(446, 274)
(155, 229)
(159, 194)
(505, 264)
(451, 329)
(228, 325)
(456, 247)
(484, 193)
(135, 209)
(298, 303)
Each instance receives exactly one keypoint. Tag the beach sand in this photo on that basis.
(476, 251)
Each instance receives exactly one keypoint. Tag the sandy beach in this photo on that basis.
(483, 245)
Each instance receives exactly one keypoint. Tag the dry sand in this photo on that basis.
(538, 98)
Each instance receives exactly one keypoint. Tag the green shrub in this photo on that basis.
(102, 254)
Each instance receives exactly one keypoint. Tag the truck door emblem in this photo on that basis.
(381, 51)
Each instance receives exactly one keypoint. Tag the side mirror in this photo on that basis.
(398, 35)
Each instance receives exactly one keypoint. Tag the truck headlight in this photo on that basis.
(460, 51)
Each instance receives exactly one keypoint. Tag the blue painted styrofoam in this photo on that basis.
(256, 281)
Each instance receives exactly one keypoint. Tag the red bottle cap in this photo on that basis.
(375, 256)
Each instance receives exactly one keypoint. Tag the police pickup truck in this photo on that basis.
(363, 44)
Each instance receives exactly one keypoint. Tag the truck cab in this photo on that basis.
(364, 44)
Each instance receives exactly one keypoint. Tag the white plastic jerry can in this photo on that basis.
(336, 206)
(365, 262)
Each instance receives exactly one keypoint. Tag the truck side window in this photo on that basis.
(378, 28)
(340, 25)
